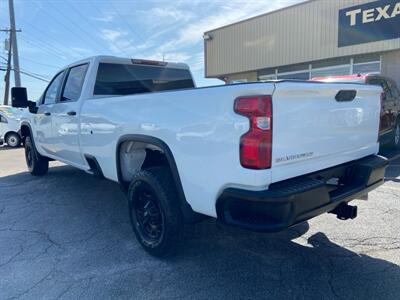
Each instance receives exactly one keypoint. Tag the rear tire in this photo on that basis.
(37, 165)
(13, 140)
(396, 136)
(155, 213)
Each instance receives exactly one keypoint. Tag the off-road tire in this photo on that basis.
(162, 235)
(37, 165)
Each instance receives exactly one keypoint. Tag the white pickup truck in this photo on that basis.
(262, 156)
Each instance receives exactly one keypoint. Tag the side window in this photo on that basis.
(50, 96)
(74, 83)
(3, 119)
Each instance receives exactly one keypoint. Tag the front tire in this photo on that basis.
(154, 211)
(13, 140)
(37, 165)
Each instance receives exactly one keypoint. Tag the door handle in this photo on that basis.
(46, 113)
(71, 113)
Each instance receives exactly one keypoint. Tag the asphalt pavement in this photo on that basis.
(67, 235)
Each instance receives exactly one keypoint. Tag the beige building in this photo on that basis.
(310, 39)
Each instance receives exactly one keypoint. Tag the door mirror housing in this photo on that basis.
(19, 97)
(32, 107)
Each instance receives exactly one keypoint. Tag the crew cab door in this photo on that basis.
(43, 133)
(66, 127)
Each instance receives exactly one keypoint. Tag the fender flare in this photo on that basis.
(24, 123)
(189, 214)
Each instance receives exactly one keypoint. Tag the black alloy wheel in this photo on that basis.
(147, 215)
(154, 211)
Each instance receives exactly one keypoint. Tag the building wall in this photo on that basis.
(301, 33)
(391, 65)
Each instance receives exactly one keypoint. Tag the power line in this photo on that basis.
(46, 45)
(57, 20)
(126, 22)
(67, 28)
(101, 13)
(43, 48)
(47, 39)
(27, 74)
(34, 76)
(31, 73)
(87, 22)
(82, 17)
(40, 63)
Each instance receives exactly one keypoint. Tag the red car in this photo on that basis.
(390, 112)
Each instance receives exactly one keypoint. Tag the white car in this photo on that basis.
(263, 156)
(10, 125)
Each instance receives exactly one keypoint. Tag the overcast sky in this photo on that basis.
(56, 33)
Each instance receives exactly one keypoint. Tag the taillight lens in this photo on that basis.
(256, 144)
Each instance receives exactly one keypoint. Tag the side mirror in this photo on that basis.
(19, 97)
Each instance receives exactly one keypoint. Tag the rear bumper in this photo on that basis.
(299, 199)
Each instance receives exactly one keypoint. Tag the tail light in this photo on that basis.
(256, 144)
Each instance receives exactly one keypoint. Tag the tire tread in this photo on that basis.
(161, 180)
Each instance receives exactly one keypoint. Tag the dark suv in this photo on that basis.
(390, 112)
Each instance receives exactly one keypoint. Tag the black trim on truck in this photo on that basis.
(23, 133)
(94, 165)
(299, 199)
(189, 215)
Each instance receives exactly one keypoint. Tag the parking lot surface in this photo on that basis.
(67, 235)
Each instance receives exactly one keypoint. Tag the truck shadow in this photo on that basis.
(76, 228)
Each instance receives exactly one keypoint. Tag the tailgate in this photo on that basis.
(314, 131)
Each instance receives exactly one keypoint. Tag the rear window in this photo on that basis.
(120, 79)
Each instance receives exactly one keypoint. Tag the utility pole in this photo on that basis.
(8, 70)
(13, 41)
